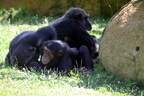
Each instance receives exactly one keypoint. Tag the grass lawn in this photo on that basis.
(14, 82)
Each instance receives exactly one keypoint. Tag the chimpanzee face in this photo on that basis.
(86, 22)
(84, 19)
(47, 55)
(50, 52)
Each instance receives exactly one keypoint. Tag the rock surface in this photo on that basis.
(122, 46)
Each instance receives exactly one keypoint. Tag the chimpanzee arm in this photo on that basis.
(32, 61)
(83, 38)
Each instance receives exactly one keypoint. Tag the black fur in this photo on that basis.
(61, 63)
(70, 59)
(74, 25)
(24, 48)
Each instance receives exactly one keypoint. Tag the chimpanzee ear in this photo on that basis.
(60, 53)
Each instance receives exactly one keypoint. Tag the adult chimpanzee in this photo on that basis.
(56, 54)
(24, 48)
(74, 25)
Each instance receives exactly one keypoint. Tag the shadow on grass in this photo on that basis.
(102, 80)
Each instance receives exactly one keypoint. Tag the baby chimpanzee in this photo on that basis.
(57, 55)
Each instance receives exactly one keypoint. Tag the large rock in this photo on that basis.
(122, 46)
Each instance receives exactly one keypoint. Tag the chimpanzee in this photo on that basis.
(95, 40)
(74, 25)
(24, 48)
(56, 54)
(22, 56)
(85, 53)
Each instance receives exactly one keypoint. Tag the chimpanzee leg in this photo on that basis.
(65, 64)
(85, 58)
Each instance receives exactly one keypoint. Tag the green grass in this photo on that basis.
(14, 82)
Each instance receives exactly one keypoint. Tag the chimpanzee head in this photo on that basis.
(79, 15)
(52, 51)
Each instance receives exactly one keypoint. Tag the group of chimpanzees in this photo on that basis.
(62, 45)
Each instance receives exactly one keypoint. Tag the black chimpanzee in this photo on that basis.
(74, 25)
(95, 40)
(56, 54)
(86, 54)
(24, 48)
